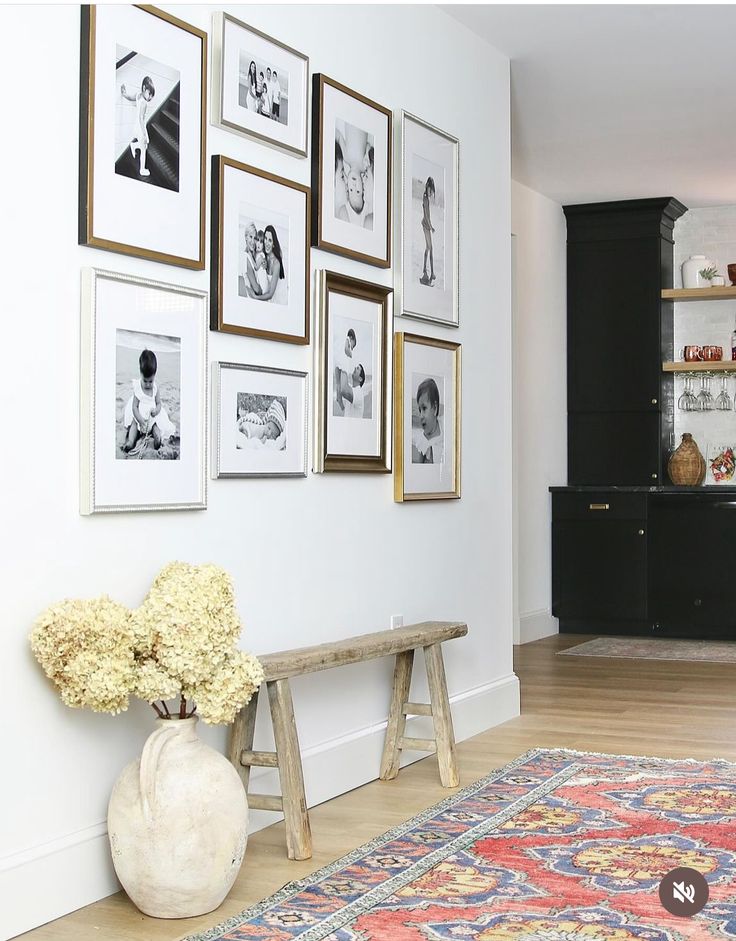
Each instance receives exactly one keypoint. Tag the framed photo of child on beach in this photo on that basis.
(352, 376)
(260, 86)
(142, 136)
(260, 253)
(427, 418)
(429, 245)
(351, 173)
(143, 394)
(259, 423)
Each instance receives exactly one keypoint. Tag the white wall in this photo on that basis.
(540, 395)
(437, 560)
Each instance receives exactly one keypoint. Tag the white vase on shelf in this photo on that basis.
(691, 271)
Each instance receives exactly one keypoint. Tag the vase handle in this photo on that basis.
(149, 765)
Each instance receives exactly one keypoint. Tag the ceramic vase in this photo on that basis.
(691, 271)
(177, 823)
(686, 466)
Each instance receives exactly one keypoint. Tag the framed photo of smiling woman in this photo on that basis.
(427, 418)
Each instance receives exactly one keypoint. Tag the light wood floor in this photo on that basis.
(635, 707)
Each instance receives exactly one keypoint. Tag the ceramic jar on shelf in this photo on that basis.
(691, 269)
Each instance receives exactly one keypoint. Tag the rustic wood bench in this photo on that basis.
(279, 667)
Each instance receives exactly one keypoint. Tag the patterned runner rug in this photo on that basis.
(656, 648)
(556, 846)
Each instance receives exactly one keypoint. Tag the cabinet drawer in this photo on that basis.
(599, 504)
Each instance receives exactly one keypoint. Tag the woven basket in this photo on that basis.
(686, 467)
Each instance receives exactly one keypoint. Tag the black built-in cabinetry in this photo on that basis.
(631, 554)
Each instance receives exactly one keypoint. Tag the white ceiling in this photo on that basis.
(618, 102)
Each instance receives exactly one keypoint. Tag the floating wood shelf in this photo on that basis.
(724, 365)
(699, 294)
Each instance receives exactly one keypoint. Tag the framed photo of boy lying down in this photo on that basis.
(427, 418)
(260, 253)
(259, 423)
(142, 134)
(351, 173)
(352, 370)
(143, 394)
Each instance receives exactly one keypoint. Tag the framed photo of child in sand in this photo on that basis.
(142, 134)
(143, 384)
(260, 253)
(351, 173)
(427, 418)
(429, 231)
(259, 424)
(352, 376)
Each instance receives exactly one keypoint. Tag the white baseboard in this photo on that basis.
(535, 625)
(51, 880)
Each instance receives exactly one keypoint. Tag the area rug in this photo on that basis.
(655, 648)
(556, 846)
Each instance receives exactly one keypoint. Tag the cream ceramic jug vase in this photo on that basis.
(177, 822)
(691, 271)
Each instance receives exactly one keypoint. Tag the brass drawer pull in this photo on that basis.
(600, 506)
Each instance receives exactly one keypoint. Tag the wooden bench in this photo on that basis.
(279, 667)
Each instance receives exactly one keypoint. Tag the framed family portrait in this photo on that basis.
(143, 394)
(259, 421)
(260, 253)
(142, 134)
(260, 86)
(429, 223)
(351, 173)
(352, 372)
(427, 418)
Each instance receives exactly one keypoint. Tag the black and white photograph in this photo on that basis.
(147, 396)
(354, 175)
(142, 134)
(427, 418)
(260, 85)
(352, 369)
(352, 379)
(143, 394)
(429, 244)
(260, 253)
(260, 421)
(262, 273)
(146, 120)
(351, 173)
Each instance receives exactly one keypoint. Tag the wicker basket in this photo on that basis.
(686, 467)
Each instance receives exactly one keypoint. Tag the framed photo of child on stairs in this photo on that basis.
(142, 134)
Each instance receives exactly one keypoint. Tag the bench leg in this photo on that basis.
(296, 818)
(241, 738)
(396, 717)
(441, 715)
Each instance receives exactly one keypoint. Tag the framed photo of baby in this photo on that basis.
(144, 351)
(351, 173)
(260, 253)
(429, 244)
(260, 86)
(142, 140)
(427, 418)
(353, 370)
(259, 424)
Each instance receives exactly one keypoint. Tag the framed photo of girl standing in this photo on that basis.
(429, 223)
(142, 135)
(351, 173)
(427, 418)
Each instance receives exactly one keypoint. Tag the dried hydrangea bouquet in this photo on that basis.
(177, 818)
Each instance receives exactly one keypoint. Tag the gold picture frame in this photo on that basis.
(403, 385)
(329, 425)
(89, 175)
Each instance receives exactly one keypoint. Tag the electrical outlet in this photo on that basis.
(397, 620)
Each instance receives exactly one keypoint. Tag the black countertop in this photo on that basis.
(671, 488)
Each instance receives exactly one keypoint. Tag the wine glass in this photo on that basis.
(704, 398)
(687, 402)
(723, 402)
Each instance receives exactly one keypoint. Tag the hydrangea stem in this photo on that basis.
(182, 708)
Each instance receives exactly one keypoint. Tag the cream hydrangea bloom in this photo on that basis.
(223, 694)
(151, 682)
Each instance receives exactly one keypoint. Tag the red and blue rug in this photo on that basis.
(556, 846)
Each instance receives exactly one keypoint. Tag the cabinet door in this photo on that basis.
(613, 449)
(613, 297)
(599, 569)
(693, 564)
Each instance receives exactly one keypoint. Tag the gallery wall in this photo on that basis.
(278, 538)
